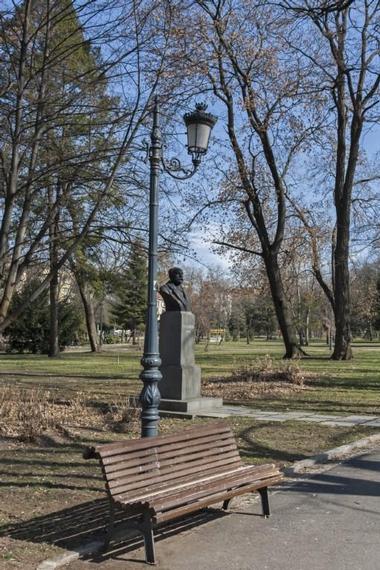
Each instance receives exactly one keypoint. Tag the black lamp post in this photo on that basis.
(199, 125)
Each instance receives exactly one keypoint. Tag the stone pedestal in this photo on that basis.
(181, 378)
(180, 386)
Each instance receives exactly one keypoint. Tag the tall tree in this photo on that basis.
(76, 81)
(130, 310)
(53, 287)
(345, 56)
(86, 277)
(240, 59)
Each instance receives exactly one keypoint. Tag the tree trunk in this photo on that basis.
(89, 312)
(53, 333)
(307, 327)
(342, 349)
(288, 331)
(53, 286)
(100, 345)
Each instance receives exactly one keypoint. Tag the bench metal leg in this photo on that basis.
(147, 530)
(110, 526)
(264, 501)
(226, 504)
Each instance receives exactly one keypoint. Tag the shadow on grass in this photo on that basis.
(77, 526)
(249, 446)
(58, 467)
(345, 383)
(253, 448)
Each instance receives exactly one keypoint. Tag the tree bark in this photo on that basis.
(343, 337)
(53, 287)
(307, 327)
(89, 312)
(54, 328)
(287, 328)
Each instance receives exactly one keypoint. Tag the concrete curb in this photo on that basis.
(333, 455)
(300, 467)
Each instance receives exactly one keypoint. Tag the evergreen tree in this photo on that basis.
(65, 133)
(30, 332)
(131, 290)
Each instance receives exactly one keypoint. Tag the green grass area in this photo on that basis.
(336, 387)
(123, 362)
(47, 488)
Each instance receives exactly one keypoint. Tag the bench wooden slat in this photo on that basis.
(168, 488)
(134, 457)
(162, 460)
(210, 500)
(182, 447)
(158, 441)
(218, 484)
(205, 481)
(186, 497)
(164, 454)
(174, 475)
(173, 465)
(158, 476)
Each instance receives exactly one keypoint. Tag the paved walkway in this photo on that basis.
(325, 419)
(327, 522)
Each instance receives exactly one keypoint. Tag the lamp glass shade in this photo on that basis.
(199, 125)
(198, 135)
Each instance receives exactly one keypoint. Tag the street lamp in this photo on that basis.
(199, 124)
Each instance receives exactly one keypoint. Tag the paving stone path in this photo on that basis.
(325, 419)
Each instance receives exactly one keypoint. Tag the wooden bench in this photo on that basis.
(165, 477)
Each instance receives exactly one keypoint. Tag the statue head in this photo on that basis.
(176, 275)
(173, 293)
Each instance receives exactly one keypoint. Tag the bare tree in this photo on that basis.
(343, 47)
(260, 88)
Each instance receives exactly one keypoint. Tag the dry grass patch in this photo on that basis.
(29, 413)
(263, 376)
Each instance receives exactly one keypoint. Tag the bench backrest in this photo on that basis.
(134, 468)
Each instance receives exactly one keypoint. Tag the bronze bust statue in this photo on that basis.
(173, 293)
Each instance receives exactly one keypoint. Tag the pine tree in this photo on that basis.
(131, 290)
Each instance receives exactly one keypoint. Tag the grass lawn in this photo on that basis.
(47, 489)
(52, 499)
(336, 387)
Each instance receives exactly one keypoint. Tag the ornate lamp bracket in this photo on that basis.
(176, 170)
